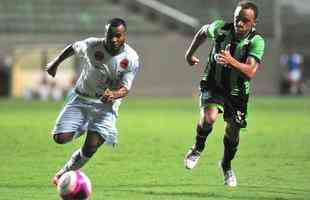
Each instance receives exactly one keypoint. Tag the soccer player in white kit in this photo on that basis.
(109, 66)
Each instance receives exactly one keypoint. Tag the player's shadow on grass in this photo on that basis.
(152, 190)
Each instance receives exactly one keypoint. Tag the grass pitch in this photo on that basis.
(273, 161)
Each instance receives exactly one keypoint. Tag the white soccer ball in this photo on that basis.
(74, 185)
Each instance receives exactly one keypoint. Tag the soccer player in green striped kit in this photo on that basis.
(225, 86)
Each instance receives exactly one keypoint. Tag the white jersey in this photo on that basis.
(101, 70)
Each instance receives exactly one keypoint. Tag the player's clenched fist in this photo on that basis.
(108, 96)
(191, 60)
(51, 68)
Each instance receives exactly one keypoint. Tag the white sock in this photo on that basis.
(76, 161)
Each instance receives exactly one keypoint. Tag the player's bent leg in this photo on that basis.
(71, 121)
(77, 157)
(81, 156)
(210, 115)
(62, 138)
(204, 128)
(231, 142)
(194, 153)
(92, 143)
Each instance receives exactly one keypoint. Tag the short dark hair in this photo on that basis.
(115, 22)
(249, 5)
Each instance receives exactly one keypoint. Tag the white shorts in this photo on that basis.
(294, 75)
(80, 114)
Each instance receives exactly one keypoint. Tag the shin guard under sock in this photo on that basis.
(202, 134)
(230, 149)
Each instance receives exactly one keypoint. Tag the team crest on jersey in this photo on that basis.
(99, 56)
(124, 63)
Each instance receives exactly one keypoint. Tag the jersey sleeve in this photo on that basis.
(80, 47)
(212, 30)
(257, 48)
(131, 73)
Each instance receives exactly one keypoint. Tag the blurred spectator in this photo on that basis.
(291, 82)
(5, 75)
(46, 90)
(57, 92)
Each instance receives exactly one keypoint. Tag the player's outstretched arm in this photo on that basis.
(199, 38)
(51, 67)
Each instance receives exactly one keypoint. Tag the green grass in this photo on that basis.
(272, 164)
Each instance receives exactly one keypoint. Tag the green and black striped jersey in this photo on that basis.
(230, 80)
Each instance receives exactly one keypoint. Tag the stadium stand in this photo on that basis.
(71, 16)
(34, 24)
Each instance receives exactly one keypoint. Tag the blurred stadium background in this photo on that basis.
(33, 31)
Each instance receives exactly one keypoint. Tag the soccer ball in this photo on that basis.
(74, 185)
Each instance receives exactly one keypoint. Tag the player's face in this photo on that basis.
(244, 21)
(116, 37)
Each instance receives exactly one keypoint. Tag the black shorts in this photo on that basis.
(233, 107)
